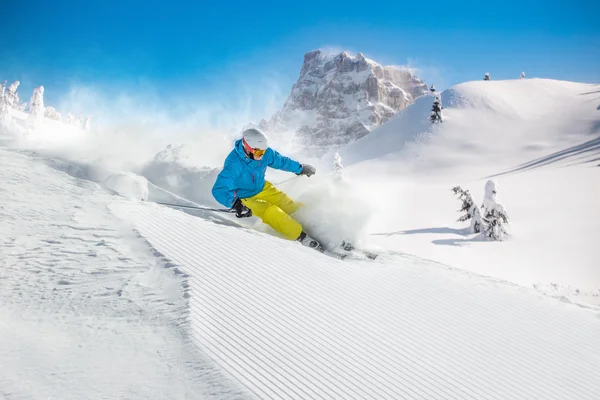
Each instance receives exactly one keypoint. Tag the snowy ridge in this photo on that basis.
(291, 323)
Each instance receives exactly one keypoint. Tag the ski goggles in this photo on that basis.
(258, 153)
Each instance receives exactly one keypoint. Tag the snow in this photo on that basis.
(88, 308)
(489, 125)
(291, 323)
(332, 212)
(553, 240)
(543, 154)
(129, 185)
(105, 294)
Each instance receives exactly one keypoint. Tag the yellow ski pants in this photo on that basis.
(274, 207)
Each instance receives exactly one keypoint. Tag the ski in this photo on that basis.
(347, 251)
(336, 254)
(349, 248)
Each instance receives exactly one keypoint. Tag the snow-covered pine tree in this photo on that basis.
(70, 119)
(486, 77)
(522, 75)
(338, 168)
(36, 107)
(12, 97)
(50, 112)
(494, 215)
(436, 111)
(87, 123)
(470, 209)
(2, 98)
(432, 88)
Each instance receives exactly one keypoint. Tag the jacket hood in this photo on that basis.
(239, 149)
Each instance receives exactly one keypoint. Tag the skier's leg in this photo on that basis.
(274, 216)
(276, 197)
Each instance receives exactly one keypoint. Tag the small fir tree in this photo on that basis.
(432, 88)
(338, 168)
(494, 215)
(522, 75)
(470, 209)
(436, 111)
(486, 77)
(36, 107)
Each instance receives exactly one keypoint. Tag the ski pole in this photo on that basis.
(286, 180)
(226, 210)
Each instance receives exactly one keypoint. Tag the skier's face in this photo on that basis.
(253, 153)
(258, 153)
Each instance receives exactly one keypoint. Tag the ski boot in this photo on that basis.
(310, 242)
(347, 246)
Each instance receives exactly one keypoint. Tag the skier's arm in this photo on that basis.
(224, 190)
(283, 163)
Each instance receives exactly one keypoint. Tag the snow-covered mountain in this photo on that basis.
(339, 98)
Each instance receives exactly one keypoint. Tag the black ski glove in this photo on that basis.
(307, 170)
(241, 211)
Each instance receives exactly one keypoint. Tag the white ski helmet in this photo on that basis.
(256, 139)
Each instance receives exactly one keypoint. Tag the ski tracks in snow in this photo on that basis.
(290, 323)
(86, 309)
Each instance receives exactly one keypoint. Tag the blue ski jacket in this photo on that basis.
(243, 177)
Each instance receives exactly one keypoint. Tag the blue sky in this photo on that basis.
(226, 51)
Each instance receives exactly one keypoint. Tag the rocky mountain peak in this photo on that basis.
(339, 98)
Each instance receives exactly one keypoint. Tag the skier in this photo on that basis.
(241, 186)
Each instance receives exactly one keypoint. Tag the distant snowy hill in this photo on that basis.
(488, 124)
(339, 98)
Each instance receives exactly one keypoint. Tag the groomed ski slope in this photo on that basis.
(290, 323)
(87, 309)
